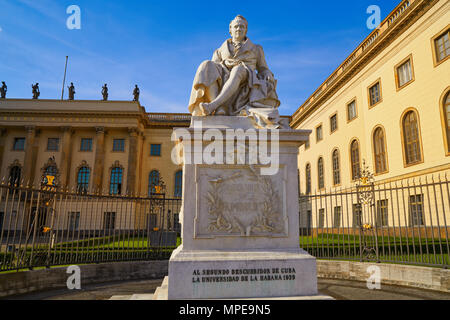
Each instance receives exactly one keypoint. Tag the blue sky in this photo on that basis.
(159, 45)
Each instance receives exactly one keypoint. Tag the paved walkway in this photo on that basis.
(338, 289)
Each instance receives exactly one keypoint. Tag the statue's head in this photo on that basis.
(238, 28)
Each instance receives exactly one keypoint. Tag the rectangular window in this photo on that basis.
(86, 144)
(155, 150)
(52, 144)
(416, 210)
(109, 221)
(357, 215)
(74, 221)
(374, 94)
(152, 221)
(119, 145)
(319, 134)
(382, 213)
(176, 222)
(442, 46)
(19, 144)
(404, 74)
(351, 110)
(333, 123)
(337, 217)
(321, 221)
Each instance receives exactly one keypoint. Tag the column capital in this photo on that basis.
(133, 132)
(30, 129)
(100, 130)
(68, 129)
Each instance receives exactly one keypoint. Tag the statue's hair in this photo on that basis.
(239, 17)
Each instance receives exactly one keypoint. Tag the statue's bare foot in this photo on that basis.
(207, 108)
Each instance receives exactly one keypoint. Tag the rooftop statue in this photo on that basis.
(105, 92)
(36, 92)
(136, 93)
(3, 90)
(71, 91)
(237, 82)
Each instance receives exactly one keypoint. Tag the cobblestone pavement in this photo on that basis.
(338, 289)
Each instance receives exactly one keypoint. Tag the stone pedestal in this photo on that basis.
(240, 217)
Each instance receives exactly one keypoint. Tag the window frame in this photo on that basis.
(80, 186)
(91, 145)
(150, 183)
(338, 169)
(382, 216)
(119, 183)
(359, 158)
(315, 130)
(57, 145)
(115, 139)
(386, 157)
(335, 114)
(175, 188)
(318, 174)
(308, 181)
(434, 49)
(396, 76)
(444, 120)
(151, 148)
(14, 144)
(378, 81)
(415, 204)
(354, 100)
(339, 224)
(419, 138)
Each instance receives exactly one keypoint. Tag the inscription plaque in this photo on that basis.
(236, 201)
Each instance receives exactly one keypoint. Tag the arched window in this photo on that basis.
(447, 120)
(308, 178)
(83, 179)
(178, 191)
(320, 173)
(354, 157)
(379, 150)
(115, 187)
(14, 175)
(336, 168)
(153, 181)
(411, 138)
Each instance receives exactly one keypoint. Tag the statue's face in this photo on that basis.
(238, 30)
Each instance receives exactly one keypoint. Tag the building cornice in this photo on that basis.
(397, 22)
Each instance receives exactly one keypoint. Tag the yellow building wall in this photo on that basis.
(423, 94)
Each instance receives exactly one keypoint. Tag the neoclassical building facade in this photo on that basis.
(111, 147)
(387, 104)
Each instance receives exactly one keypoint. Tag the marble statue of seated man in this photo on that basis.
(237, 82)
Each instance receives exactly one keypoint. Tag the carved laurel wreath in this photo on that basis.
(267, 220)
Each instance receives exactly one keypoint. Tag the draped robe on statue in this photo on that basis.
(256, 97)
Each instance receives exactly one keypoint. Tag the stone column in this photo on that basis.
(29, 162)
(141, 162)
(66, 156)
(3, 133)
(99, 158)
(132, 160)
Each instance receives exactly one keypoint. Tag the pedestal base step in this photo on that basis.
(220, 274)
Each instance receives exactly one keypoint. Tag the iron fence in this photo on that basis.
(404, 221)
(43, 227)
(399, 222)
